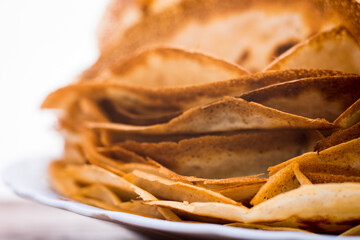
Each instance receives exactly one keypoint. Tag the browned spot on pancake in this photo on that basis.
(243, 56)
(281, 48)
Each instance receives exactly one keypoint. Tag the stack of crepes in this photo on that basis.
(166, 124)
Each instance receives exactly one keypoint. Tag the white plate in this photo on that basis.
(28, 179)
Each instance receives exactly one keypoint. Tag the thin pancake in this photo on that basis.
(322, 97)
(144, 101)
(226, 115)
(335, 49)
(158, 68)
(190, 24)
(226, 156)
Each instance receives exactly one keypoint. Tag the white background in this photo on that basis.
(43, 45)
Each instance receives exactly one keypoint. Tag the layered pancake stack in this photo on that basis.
(243, 113)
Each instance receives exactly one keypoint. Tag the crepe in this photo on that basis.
(335, 49)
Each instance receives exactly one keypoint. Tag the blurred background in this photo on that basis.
(43, 45)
